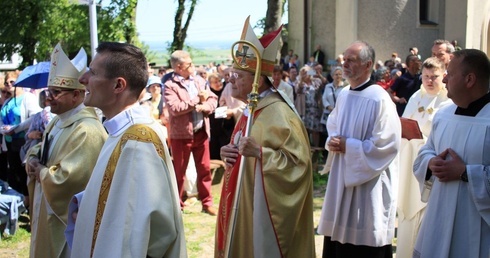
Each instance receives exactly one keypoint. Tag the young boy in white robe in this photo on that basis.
(422, 107)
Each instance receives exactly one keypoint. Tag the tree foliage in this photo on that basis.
(180, 31)
(33, 27)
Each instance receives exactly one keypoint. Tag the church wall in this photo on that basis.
(296, 26)
(485, 37)
(323, 28)
(456, 15)
(346, 27)
(477, 19)
(389, 25)
(395, 28)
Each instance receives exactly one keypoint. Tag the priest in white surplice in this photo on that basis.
(358, 214)
(130, 207)
(457, 156)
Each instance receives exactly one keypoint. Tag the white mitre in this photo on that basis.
(64, 73)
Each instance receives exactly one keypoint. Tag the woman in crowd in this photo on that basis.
(4, 167)
(308, 87)
(383, 77)
(39, 122)
(221, 127)
(154, 87)
(331, 93)
(15, 120)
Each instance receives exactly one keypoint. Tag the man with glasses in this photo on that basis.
(275, 209)
(358, 213)
(61, 165)
(190, 103)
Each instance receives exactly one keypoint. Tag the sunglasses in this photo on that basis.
(8, 83)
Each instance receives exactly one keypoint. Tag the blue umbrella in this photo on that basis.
(34, 76)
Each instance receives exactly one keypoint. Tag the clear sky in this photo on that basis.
(212, 20)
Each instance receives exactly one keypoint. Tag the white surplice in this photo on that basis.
(360, 200)
(457, 218)
(142, 215)
(422, 107)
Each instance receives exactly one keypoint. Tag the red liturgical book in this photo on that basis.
(410, 129)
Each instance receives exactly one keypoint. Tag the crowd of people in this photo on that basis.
(104, 157)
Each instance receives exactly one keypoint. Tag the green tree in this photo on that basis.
(180, 32)
(22, 22)
(33, 27)
(118, 21)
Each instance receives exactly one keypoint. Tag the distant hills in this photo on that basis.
(203, 52)
(161, 46)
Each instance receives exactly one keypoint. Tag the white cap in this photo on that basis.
(153, 80)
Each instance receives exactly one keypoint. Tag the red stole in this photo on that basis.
(228, 190)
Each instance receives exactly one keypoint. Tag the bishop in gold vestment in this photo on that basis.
(275, 211)
(61, 165)
(273, 216)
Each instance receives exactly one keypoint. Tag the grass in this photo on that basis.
(18, 244)
(199, 228)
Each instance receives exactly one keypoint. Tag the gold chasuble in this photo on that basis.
(68, 170)
(275, 211)
(137, 132)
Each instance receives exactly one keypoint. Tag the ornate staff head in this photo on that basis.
(256, 55)
(253, 51)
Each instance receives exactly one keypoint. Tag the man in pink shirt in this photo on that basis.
(189, 103)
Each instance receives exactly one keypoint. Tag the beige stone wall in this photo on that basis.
(296, 26)
(323, 28)
(388, 25)
(395, 27)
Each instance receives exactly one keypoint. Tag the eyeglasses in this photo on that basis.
(56, 93)
(8, 83)
(188, 66)
(235, 75)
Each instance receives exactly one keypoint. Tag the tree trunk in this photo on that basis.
(180, 33)
(273, 16)
(273, 19)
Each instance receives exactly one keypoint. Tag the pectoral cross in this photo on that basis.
(243, 54)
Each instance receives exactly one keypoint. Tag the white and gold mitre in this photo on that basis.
(267, 46)
(64, 73)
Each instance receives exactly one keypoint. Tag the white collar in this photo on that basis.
(120, 122)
